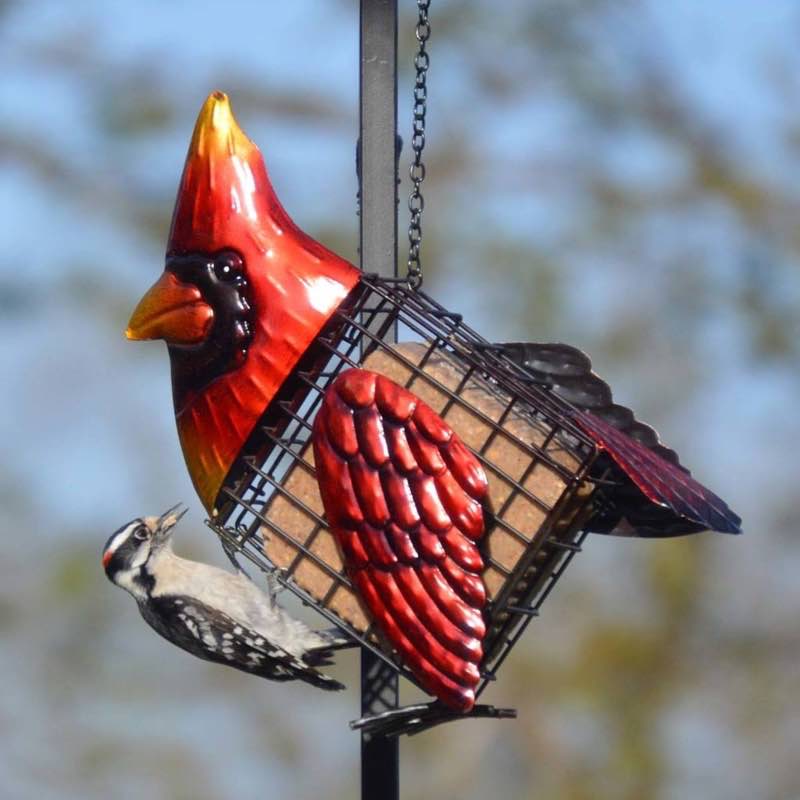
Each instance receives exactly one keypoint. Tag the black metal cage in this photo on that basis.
(537, 461)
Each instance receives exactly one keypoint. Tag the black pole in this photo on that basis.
(380, 758)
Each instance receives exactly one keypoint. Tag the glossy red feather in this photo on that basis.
(419, 493)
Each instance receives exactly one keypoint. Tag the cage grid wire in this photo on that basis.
(536, 459)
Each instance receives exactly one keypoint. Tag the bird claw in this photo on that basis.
(231, 546)
(230, 551)
(274, 585)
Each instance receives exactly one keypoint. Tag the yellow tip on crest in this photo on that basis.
(217, 129)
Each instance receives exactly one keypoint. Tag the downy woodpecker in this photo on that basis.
(211, 613)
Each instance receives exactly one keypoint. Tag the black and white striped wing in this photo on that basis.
(212, 635)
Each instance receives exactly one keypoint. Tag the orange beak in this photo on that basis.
(173, 311)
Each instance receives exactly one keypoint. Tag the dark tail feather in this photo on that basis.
(323, 657)
(322, 681)
(651, 493)
(664, 484)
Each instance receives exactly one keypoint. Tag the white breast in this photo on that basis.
(236, 596)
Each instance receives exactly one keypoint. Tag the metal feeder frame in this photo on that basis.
(365, 324)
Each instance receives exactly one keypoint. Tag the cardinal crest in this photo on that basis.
(424, 497)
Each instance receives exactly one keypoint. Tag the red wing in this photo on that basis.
(404, 499)
(661, 481)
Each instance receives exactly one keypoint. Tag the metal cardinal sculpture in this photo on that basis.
(245, 296)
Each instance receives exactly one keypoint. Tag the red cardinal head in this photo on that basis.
(243, 295)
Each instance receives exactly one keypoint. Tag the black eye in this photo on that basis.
(223, 271)
(141, 533)
(228, 267)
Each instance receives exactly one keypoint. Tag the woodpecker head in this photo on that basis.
(129, 550)
(243, 296)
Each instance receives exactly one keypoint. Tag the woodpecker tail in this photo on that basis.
(322, 656)
(322, 681)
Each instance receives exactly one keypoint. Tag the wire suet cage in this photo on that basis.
(536, 459)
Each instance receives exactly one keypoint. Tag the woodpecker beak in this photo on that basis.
(173, 311)
(168, 520)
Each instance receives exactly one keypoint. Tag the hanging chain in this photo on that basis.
(416, 202)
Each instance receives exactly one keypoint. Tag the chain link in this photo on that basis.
(416, 202)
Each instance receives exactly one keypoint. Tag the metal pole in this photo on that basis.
(380, 762)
